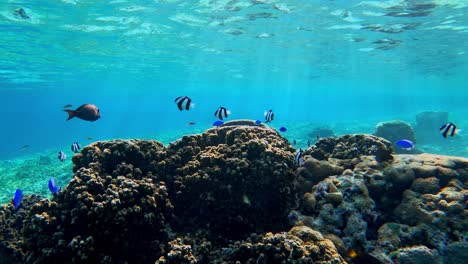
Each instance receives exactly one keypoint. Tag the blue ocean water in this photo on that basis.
(347, 64)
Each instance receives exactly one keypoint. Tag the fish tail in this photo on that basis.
(71, 114)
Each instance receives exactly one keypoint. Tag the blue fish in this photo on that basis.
(308, 143)
(283, 129)
(61, 156)
(294, 142)
(218, 123)
(16, 201)
(75, 147)
(258, 122)
(54, 189)
(405, 144)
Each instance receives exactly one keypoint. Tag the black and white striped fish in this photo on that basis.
(269, 116)
(183, 102)
(61, 156)
(299, 159)
(448, 129)
(75, 147)
(222, 112)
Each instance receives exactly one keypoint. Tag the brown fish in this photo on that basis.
(88, 112)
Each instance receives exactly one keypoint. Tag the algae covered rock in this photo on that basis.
(416, 255)
(351, 146)
(300, 245)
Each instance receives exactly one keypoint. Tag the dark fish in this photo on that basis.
(88, 112)
(89, 138)
(308, 143)
(318, 137)
(25, 147)
(448, 129)
(54, 189)
(222, 112)
(21, 13)
(218, 123)
(269, 116)
(191, 123)
(405, 144)
(283, 129)
(183, 102)
(61, 156)
(258, 122)
(75, 147)
(299, 159)
(67, 106)
(16, 201)
(294, 142)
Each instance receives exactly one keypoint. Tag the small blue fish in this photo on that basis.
(308, 143)
(299, 159)
(283, 129)
(218, 123)
(294, 142)
(54, 189)
(405, 144)
(258, 122)
(16, 201)
(75, 147)
(61, 156)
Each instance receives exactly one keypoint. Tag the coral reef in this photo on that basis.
(394, 131)
(230, 195)
(129, 197)
(11, 224)
(349, 147)
(230, 178)
(425, 194)
(115, 208)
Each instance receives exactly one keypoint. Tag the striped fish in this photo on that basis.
(61, 156)
(299, 159)
(448, 129)
(183, 102)
(269, 116)
(75, 147)
(222, 112)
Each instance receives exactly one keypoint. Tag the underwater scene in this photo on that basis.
(234, 131)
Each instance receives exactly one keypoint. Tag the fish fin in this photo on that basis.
(71, 114)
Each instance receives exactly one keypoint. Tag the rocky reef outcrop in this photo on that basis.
(394, 131)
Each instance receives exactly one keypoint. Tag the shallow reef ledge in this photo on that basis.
(235, 194)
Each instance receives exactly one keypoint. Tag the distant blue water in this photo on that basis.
(311, 61)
